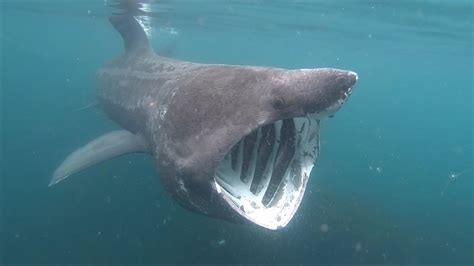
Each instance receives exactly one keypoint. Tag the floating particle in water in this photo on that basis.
(378, 169)
(218, 243)
(324, 228)
(358, 246)
(453, 176)
(167, 219)
(173, 31)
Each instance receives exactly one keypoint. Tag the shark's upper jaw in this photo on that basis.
(264, 176)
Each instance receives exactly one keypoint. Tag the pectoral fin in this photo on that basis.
(103, 148)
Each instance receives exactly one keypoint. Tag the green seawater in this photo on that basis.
(393, 184)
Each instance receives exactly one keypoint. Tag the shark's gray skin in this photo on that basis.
(234, 142)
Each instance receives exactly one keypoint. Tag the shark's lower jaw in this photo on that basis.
(264, 176)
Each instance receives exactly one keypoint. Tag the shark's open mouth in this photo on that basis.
(264, 176)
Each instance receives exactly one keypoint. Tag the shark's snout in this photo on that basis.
(341, 80)
(326, 90)
(346, 82)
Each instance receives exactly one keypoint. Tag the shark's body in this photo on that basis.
(235, 142)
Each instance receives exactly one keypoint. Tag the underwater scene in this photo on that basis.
(185, 132)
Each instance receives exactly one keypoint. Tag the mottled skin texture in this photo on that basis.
(192, 114)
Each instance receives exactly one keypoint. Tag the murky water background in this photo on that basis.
(394, 182)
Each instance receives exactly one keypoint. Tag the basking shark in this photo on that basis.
(232, 142)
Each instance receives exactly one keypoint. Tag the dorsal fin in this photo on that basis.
(134, 37)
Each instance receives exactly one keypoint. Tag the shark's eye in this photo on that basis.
(278, 103)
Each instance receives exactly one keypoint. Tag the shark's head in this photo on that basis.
(240, 142)
(317, 93)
